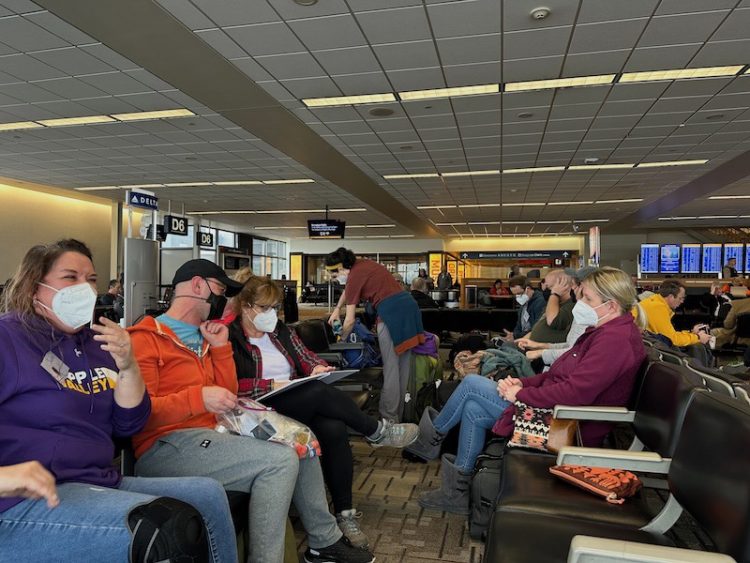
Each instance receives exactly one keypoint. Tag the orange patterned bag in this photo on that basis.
(615, 485)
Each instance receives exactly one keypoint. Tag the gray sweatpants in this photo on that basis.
(396, 369)
(271, 473)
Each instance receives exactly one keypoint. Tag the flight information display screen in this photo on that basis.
(649, 258)
(670, 259)
(711, 258)
(734, 250)
(691, 258)
(747, 259)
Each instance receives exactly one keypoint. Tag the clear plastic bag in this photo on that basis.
(251, 418)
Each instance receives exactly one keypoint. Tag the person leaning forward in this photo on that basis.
(187, 365)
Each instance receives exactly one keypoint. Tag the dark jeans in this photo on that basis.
(328, 411)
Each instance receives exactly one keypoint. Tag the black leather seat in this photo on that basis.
(663, 398)
(708, 477)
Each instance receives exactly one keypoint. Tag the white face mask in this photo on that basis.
(266, 322)
(341, 278)
(73, 305)
(585, 315)
(522, 299)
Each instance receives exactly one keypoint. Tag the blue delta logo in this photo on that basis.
(141, 199)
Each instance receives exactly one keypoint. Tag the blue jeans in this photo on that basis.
(476, 405)
(90, 523)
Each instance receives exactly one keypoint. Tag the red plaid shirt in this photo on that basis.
(255, 387)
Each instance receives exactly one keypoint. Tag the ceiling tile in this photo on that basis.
(266, 39)
(231, 12)
(536, 43)
(24, 35)
(682, 28)
(222, 43)
(658, 58)
(330, 32)
(607, 36)
(351, 60)
(392, 26)
(292, 65)
(473, 17)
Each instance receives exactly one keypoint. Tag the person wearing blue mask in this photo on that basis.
(531, 307)
(600, 369)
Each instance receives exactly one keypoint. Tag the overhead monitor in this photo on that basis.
(670, 259)
(649, 258)
(734, 250)
(747, 259)
(691, 259)
(711, 258)
(326, 228)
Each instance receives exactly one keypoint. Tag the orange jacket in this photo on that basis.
(175, 377)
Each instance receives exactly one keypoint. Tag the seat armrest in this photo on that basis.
(588, 549)
(608, 414)
(333, 358)
(341, 346)
(647, 462)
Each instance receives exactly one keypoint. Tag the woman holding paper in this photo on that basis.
(269, 354)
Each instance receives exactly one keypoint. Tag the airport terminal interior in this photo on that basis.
(475, 150)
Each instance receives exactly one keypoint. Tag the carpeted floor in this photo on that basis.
(386, 488)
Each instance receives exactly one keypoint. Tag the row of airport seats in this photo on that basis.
(468, 320)
(692, 440)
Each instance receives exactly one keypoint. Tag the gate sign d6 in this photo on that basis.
(175, 225)
(205, 239)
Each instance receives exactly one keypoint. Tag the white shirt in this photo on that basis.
(275, 364)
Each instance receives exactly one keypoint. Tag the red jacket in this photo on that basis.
(599, 369)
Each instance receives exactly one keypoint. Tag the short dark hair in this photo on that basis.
(342, 256)
(113, 283)
(670, 287)
(518, 280)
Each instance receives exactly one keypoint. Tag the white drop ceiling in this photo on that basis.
(50, 69)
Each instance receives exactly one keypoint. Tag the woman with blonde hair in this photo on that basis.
(600, 369)
(268, 354)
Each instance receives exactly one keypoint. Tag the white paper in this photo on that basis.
(328, 377)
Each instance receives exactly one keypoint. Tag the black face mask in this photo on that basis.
(218, 304)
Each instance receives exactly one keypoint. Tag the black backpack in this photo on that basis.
(485, 487)
(167, 529)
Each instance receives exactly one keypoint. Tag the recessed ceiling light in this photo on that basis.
(560, 83)
(69, 121)
(672, 163)
(680, 74)
(409, 176)
(450, 92)
(348, 100)
(19, 125)
(380, 112)
(570, 203)
(470, 173)
(161, 114)
(600, 166)
(306, 2)
(632, 200)
(525, 115)
(406, 148)
(715, 116)
(534, 169)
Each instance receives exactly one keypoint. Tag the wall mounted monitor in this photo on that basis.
(711, 261)
(649, 258)
(734, 250)
(326, 228)
(691, 259)
(669, 259)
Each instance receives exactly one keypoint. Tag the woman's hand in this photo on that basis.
(506, 383)
(511, 392)
(317, 370)
(116, 341)
(216, 334)
(527, 344)
(29, 480)
(560, 287)
(534, 354)
(335, 316)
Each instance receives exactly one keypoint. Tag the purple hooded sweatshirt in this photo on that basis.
(67, 424)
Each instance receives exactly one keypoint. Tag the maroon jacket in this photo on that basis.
(599, 370)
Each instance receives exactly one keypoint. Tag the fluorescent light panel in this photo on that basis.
(239, 183)
(606, 201)
(534, 169)
(94, 119)
(478, 205)
(436, 206)
(18, 125)
(68, 121)
(162, 114)
(729, 197)
(680, 74)
(570, 203)
(524, 204)
(560, 83)
(470, 173)
(600, 166)
(187, 184)
(672, 163)
(348, 100)
(408, 176)
(449, 92)
(291, 181)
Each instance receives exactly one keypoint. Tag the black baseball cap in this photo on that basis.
(206, 269)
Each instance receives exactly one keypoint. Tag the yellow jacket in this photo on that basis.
(659, 316)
